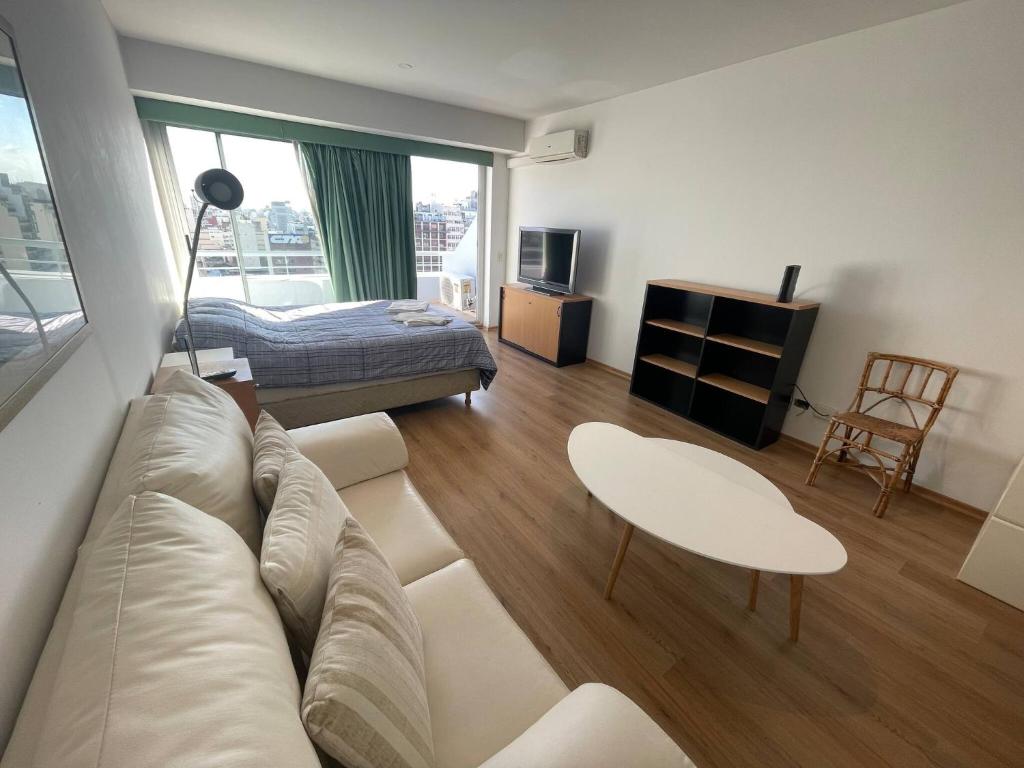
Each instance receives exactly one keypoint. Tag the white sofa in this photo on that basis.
(494, 700)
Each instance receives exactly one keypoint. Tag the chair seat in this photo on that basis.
(890, 430)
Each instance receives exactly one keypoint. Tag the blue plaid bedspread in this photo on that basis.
(333, 343)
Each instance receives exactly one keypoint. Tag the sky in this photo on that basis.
(443, 180)
(19, 154)
(269, 170)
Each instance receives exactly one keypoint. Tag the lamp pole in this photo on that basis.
(219, 188)
(192, 248)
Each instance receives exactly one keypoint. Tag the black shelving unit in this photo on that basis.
(725, 359)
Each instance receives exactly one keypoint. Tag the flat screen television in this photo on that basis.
(547, 258)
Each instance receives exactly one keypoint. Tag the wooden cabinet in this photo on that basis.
(554, 328)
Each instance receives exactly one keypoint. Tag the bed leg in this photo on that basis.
(469, 398)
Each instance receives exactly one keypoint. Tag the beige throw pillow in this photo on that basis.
(365, 699)
(298, 546)
(194, 443)
(271, 444)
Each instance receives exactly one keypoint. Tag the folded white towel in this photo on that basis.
(408, 305)
(401, 317)
(412, 322)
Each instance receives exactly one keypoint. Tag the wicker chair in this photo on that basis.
(907, 381)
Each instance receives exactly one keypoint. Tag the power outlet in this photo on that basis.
(802, 405)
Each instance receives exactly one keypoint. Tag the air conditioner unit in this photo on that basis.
(564, 145)
(458, 291)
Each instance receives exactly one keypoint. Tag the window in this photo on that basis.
(267, 251)
(445, 196)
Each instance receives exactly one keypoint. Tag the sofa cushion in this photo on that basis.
(271, 444)
(354, 449)
(395, 515)
(194, 444)
(365, 701)
(175, 654)
(595, 726)
(486, 683)
(298, 547)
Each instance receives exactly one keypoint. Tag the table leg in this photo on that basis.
(755, 577)
(627, 534)
(796, 593)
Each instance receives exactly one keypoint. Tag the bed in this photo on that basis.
(329, 361)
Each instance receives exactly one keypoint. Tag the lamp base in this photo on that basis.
(219, 373)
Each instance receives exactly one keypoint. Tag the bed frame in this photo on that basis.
(301, 406)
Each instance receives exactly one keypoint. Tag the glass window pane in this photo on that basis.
(217, 273)
(40, 308)
(284, 262)
(444, 221)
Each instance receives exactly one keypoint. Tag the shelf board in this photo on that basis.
(751, 345)
(732, 293)
(678, 326)
(737, 387)
(689, 370)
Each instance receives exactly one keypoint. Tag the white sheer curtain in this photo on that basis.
(171, 204)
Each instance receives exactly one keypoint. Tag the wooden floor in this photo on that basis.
(898, 663)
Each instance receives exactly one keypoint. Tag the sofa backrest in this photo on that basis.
(157, 440)
(175, 652)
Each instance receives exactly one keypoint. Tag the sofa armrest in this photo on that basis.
(351, 450)
(593, 727)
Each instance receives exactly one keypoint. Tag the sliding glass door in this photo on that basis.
(267, 252)
(446, 207)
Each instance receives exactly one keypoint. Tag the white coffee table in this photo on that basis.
(704, 502)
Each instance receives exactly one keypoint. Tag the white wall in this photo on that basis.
(54, 453)
(497, 239)
(166, 71)
(888, 162)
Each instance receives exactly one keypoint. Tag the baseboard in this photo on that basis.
(610, 369)
(925, 493)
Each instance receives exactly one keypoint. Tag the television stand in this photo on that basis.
(554, 328)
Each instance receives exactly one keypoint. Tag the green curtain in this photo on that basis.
(363, 202)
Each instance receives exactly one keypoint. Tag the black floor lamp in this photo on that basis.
(220, 189)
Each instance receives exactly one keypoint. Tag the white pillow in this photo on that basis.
(298, 546)
(271, 444)
(175, 654)
(194, 444)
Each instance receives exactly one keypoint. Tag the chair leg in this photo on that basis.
(841, 456)
(882, 504)
(912, 468)
(820, 455)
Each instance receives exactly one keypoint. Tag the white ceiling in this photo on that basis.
(514, 57)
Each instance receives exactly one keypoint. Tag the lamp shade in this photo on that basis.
(219, 188)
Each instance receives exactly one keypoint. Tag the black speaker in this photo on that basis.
(788, 286)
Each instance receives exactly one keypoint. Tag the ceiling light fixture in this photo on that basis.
(405, 65)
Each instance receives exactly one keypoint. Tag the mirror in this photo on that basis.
(42, 319)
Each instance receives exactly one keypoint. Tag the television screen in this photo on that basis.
(547, 256)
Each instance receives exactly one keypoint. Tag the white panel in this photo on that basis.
(1011, 506)
(996, 563)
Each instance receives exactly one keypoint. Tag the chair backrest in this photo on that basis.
(907, 380)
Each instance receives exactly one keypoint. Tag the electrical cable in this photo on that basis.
(810, 404)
